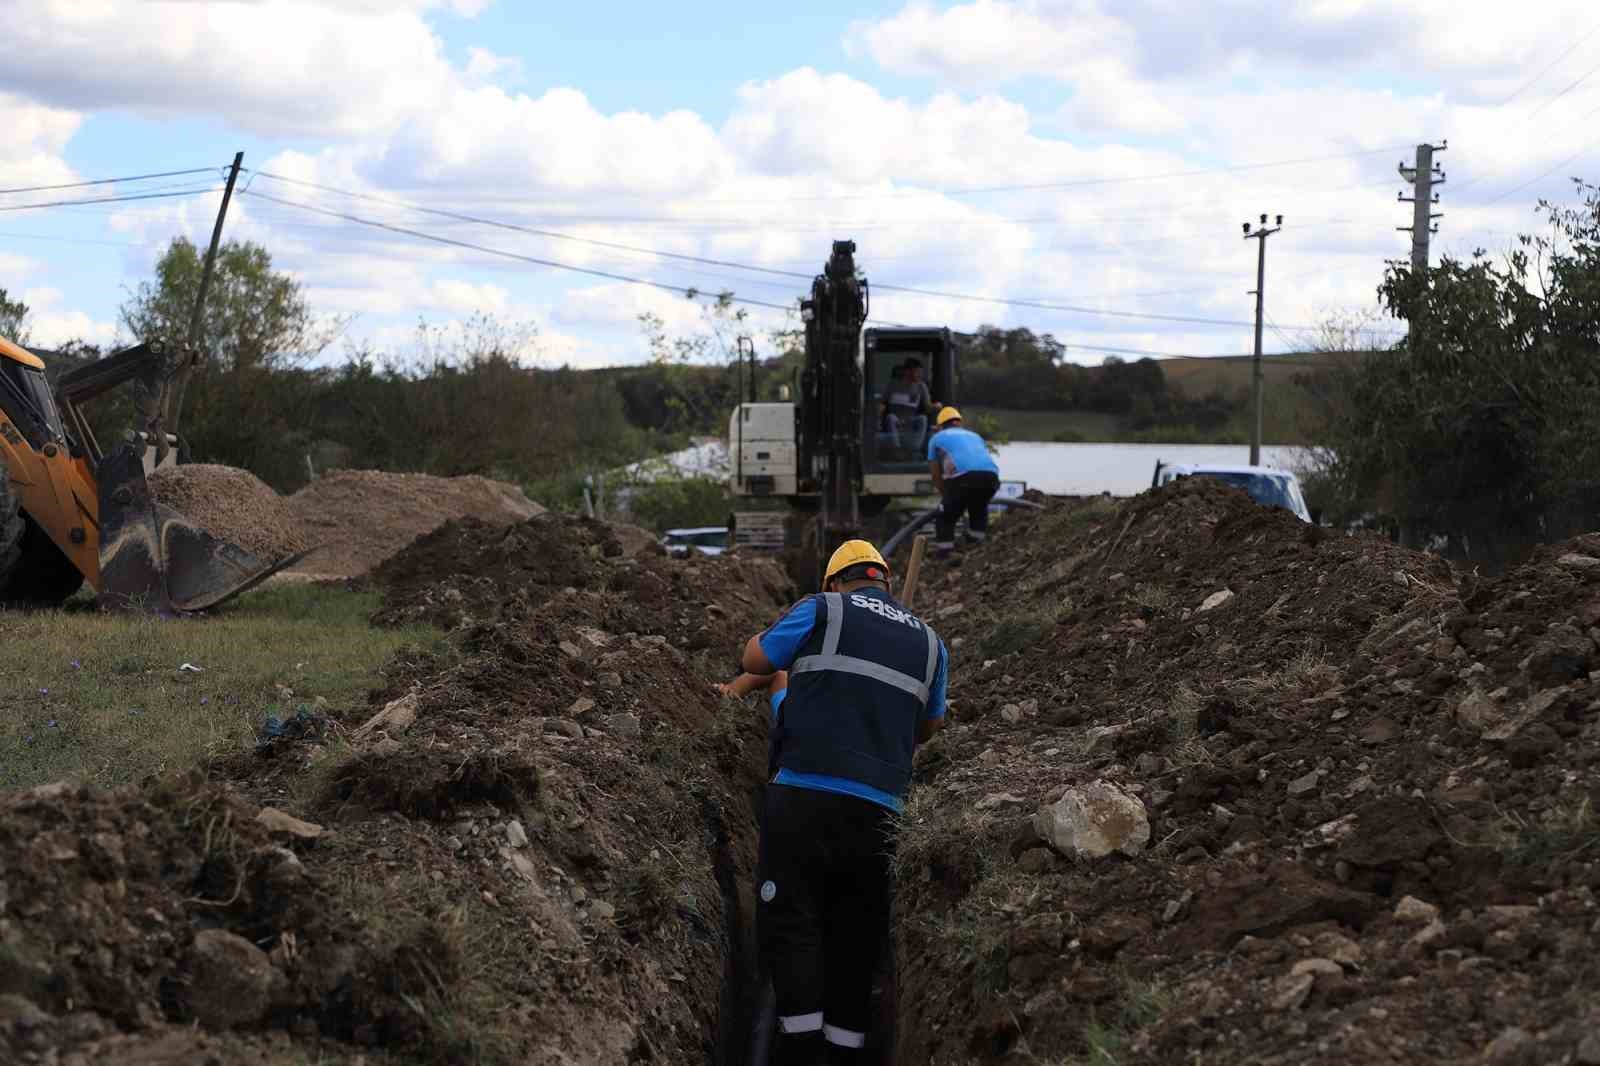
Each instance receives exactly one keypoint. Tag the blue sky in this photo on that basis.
(1125, 138)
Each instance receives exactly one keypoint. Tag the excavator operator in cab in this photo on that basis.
(866, 684)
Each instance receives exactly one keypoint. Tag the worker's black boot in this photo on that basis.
(845, 1056)
(799, 1049)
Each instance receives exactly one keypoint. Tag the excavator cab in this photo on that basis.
(907, 373)
(69, 512)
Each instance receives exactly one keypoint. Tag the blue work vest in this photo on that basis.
(858, 690)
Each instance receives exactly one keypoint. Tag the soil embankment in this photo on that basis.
(537, 851)
(354, 519)
(1346, 811)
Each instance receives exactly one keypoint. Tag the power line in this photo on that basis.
(1579, 154)
(685, 258)
(1227, 169)
(1587, 75)
(1547, 68)
(549, 234)
(66, 240)
(108, 181)
(534, 260)
(1043, 306)
(107, 199)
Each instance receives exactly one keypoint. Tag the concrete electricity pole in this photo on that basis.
(1423, 177)
(1259, 235)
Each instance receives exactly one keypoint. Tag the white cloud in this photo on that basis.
(33, 137)
(485, 66)
(988, 42)
(466, 297)
(289, 67)
(51, 325)
(1140, 87)
(15, 270)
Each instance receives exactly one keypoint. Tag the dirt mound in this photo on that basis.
(128, 916)
(544, 851)
(234, 505)
(1318, 727)
(361, 517)
(466, 570)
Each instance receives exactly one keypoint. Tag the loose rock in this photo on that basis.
(286, 824)
(1094, 821)
(1412, 909)
(232, 980)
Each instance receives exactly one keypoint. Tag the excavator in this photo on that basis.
(70, 512)
(830, 456)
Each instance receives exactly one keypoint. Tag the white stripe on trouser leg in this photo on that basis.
(941, 545)
(975, 535)
(843, 1037)
(801, 1023)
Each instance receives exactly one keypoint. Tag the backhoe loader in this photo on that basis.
(70, 513)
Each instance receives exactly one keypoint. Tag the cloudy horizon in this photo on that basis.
(988, 157)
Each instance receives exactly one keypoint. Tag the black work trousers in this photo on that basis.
(822, 920)
(970, 492)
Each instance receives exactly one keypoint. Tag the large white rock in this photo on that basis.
(1093, 821)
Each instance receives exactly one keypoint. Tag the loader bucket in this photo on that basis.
(153, 558)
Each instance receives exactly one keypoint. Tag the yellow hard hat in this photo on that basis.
(946, 414)
(854, 553)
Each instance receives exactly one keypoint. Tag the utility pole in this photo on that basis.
(1259, 235)
(1422, 177)
(193, 352)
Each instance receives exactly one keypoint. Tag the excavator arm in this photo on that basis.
(831, 395)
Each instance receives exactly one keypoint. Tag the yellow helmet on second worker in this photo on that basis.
(854, 553)
(947, 414)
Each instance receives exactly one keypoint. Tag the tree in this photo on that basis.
(13, 319)
(1483, 424)
(243, 406)
(254, 316)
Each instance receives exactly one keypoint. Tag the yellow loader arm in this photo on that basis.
(93, 513)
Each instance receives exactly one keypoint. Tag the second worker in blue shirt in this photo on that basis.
(966, 477)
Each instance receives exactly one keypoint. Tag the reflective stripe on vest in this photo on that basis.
(829, 658)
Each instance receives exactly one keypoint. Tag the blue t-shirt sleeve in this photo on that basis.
(777, 701)
(933, 449)
(941, 681)
(781, 643)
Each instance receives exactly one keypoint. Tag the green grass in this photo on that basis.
(1015, 634)
(1049, 425)
(1107, 1039)
(100, 698)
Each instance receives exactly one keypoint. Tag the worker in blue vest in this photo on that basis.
(965, 476)
(866, 684)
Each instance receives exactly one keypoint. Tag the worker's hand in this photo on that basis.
(725, 690)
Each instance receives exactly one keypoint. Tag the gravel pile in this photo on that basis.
(232, 504)
(361, 517)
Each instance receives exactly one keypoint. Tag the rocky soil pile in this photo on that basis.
(538, 850)
(362, 517)
(1222, 787)
(233, 504)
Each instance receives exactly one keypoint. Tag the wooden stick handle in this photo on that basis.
(908, 591)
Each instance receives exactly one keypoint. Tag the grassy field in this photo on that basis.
(1288, 413)
(104, 698)
(1048, 425)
